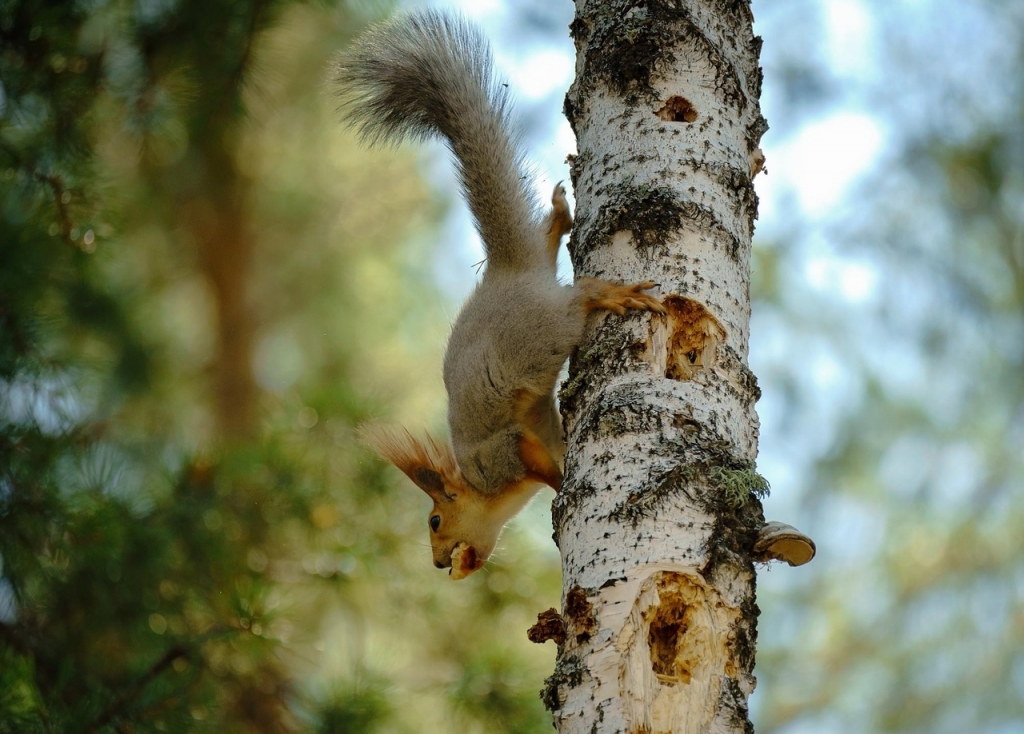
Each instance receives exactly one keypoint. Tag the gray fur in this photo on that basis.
(514, 333)
(427, 75)
(424, 75)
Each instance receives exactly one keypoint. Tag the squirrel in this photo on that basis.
(428, 74)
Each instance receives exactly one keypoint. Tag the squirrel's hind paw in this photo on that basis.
(559, 221)
(603, 295)
(558, 202)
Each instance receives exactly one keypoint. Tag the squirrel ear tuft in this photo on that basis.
(426, 463)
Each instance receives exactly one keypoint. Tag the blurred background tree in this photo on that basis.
(205, 284)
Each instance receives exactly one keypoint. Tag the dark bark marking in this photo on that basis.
(628, 42)
(734, 533)
(756, 130)
(549, 626)
(727, 487)
(645, 500)
(744, 643)
(735, 701)
(650, 214)
(568, 672)
(708, 221)
(567, 501)
(580, 614)
(610, 356)
(743, 379)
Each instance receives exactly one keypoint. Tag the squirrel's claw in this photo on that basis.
(607, 296)
(643, 301)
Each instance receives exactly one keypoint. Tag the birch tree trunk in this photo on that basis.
(659, 511)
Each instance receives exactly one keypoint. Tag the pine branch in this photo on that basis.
(18, 644)
(12, 640)
(13, 329)
(126, 698)
(235, 79)
(61, 197)
(122, 702)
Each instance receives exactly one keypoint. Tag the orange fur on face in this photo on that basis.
(467, 518)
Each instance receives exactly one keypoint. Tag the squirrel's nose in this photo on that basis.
(438, 564)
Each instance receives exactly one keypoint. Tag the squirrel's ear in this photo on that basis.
(425, 462)
(429, 480)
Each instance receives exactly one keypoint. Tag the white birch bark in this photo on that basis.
(659, 512)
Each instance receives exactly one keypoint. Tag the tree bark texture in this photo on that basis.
(660, 506)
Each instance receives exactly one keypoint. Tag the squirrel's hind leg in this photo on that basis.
(540, 443)
(540, 464)
(557, 224)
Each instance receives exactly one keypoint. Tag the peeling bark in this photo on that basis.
(659, 511)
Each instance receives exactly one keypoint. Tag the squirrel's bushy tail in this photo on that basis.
(428, 74)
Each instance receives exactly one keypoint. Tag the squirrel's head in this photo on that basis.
(461, 516)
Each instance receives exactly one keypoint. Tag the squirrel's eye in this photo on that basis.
(435, 522)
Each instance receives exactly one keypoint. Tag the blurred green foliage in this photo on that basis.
(901, 422)
(204, 285)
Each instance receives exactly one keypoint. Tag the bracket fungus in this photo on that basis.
(778, 541)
